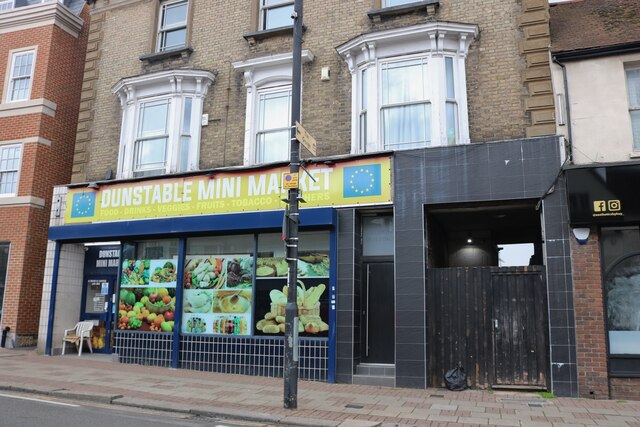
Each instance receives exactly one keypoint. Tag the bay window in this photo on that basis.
(409, 86)
(161, 122)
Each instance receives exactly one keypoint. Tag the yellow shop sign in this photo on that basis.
(363, 181)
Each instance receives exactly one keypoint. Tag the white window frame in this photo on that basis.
(385, 3)
(16, 170)
(264, 11)
(635, 143)
(260, 74)
(175, 86)
(14, 54)
(276, 88)
(7, 5)
(433, 42)
(427, 100)
(160, 46)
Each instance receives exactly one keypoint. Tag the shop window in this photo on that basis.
(161, 122)
(633, 92)
(148, 283)
(4, 264)
(313, 285)
(268, 109)
(20, 76)
(172, 25)
(275, 14)
(621, 261)
(410, 86)
(9, 169)
(218, 285)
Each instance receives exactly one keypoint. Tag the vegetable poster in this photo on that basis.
(147, 295)
(218, 294)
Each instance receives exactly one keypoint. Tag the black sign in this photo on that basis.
(604, 195)
(101, 259)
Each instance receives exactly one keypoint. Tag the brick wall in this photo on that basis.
(625, 388)
(123, 31)
(57, 78)
(591, 344)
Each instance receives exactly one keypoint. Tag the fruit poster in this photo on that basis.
(218, 295)
(147, 295)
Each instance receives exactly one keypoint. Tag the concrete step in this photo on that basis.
(374, 380)
(376, 369)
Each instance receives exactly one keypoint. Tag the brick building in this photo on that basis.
(433, 203)
(596, 76)
(42, 46)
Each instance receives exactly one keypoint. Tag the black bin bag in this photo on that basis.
(456, 379)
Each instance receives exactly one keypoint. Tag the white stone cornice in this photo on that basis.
(200, 81)
(436, 36)
(271, 61)
(13, 201)
(39, 15)
(31, 106)
(27, 140)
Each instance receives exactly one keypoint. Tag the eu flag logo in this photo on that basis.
(362, 181)
(83, 205)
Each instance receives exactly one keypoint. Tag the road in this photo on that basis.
(22, 410)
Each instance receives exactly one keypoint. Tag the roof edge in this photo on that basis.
(595, 52)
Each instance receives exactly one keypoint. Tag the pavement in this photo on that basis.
(97, 378)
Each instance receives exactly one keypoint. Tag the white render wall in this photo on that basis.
(601, 125)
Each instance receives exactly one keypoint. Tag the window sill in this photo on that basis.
(254, 36)
(634, 155)
(183, 52)
(431, 7)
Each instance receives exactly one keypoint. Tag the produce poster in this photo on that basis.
(147, 295)
(218, 295)
(312, 295)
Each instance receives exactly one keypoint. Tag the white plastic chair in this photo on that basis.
(76, 335)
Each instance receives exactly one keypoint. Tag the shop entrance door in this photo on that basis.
(98, 307)
(378, 315)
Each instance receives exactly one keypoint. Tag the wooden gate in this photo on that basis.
(492, 320)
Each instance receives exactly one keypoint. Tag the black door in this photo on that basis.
(519, 329)
(378, 317)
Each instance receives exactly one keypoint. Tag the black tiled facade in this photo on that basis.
(499, 171)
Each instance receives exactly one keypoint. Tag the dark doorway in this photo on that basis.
(490, 319)
(378, 317)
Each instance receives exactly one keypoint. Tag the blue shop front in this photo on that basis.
(189, 271)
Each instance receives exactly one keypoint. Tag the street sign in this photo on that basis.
(289, 180)
(306, 139)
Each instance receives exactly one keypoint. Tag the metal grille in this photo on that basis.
(143, 348)
(262, 356)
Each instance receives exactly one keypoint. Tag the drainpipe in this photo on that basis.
(567, 106)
